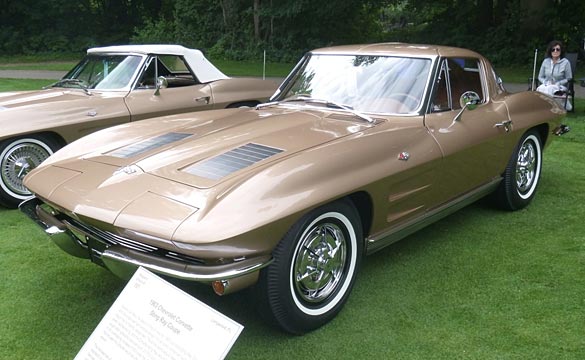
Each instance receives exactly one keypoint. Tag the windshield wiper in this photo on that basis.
(77, 82)
(327, 103)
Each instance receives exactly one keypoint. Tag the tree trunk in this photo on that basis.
(534, 11)
(257, 20)
(485, 14)
(223, 13)
(500, 12)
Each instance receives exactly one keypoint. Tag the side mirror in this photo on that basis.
(161, 83)
(468, 100)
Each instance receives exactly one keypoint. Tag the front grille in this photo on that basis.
(99, 240)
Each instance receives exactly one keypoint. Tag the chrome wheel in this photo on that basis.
(319, 263)
(17, 159)
(528, 166)
(315, 266)
(521, 177)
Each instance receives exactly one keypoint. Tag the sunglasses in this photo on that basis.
(556, 49)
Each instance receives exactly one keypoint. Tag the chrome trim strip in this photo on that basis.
(54, 228)
(123, 261)
(379, 241)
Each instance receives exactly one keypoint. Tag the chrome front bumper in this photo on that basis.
(123, 257)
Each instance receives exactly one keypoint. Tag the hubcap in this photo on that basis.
(19, 161)
(526, 167)
(319, 264)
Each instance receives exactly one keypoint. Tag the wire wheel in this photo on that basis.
(17, 160)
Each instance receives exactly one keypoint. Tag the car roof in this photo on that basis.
(400, 49)
(203, 68)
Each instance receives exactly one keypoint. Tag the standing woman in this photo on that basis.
(555, 71)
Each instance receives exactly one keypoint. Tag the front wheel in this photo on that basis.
(314, 268)
(522, 174)
(17, 158)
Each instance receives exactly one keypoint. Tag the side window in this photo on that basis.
(457, 76)
(172, 67)
(464, 76)
(441, 101)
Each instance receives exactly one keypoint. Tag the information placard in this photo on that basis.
(152, 319)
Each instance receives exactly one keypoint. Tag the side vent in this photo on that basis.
(147, 145)
(227, 163)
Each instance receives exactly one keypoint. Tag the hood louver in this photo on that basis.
(232, 161)
(147, 145)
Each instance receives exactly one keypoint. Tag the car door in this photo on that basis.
(473, 141)
(180, 91)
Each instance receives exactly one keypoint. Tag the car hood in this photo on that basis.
(11, 100)
(51, 108)
(184, 163)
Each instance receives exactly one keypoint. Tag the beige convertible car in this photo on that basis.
(110, 86)
(359, 147)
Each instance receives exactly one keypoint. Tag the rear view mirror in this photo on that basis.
(469, 100)
(161, 83)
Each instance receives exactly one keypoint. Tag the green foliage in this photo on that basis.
(161, 31)
(227, 29)
(507, 31)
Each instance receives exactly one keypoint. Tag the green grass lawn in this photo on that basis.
(480, 284)
(23, 84)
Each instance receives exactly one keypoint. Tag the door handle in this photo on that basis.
(203, 99)
(506, 124)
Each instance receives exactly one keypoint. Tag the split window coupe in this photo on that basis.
(111, 86)
(359, 147)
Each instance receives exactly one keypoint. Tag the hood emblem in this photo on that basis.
(129, 170)
(404, 156)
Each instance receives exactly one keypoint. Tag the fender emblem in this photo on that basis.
(130, 169)
(404, 156)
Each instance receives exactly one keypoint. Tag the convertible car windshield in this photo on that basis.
(102, 72)
(370, 84)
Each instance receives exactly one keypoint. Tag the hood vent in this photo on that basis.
(231, 161)
(147, 145)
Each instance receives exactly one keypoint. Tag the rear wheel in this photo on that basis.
(314, 268)
(17, 158)
(522, 174)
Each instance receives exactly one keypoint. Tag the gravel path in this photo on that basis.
(32, 74)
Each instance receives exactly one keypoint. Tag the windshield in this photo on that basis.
(102, 72)
(371, 84)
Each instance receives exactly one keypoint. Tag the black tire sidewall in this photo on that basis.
(509, 194)
(285, 308)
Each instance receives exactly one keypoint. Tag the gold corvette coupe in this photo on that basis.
(110, 86)
(359, 147)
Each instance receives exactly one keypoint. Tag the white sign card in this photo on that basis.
(152, 320)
